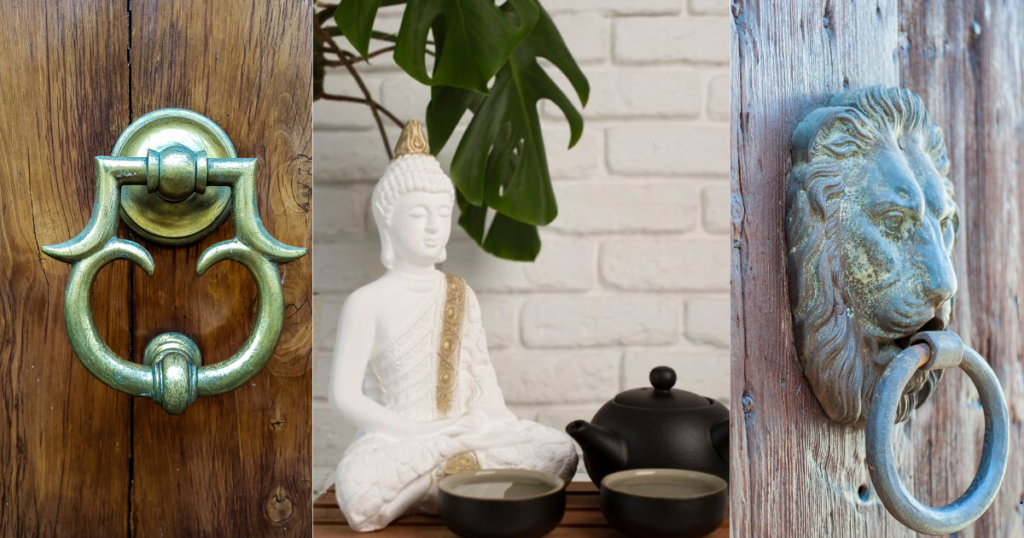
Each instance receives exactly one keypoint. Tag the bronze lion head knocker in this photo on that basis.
(870, 226)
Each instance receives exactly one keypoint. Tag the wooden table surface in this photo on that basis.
(583, 519)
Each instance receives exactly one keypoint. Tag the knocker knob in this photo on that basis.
(176, 172)
(175, 360)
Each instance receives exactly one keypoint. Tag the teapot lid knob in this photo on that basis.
(663, 378)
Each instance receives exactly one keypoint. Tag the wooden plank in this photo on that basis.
(236, 464)
(331, 531)
(580, 495)
(574, 517)
(441, 532)
(583, 519)
(966, 60)
(792, 470)
(63, 100)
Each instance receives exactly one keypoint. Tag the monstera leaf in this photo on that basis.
(486, 62)
(505, 237)
(500, 162)
(355, 21)
(479, 35)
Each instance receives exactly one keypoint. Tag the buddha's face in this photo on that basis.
(421, 223)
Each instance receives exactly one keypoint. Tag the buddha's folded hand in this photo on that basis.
(486, 440)
(431, 428)
(473, 421)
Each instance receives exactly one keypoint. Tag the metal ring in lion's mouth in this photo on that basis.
(933, 325)
(891, 490)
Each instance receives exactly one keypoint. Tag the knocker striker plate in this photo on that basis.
(163, 221)
(175, 155)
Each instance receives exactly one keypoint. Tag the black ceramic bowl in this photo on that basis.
(664, 503)
(501, 503)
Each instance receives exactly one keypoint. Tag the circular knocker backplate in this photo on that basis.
(166, 222)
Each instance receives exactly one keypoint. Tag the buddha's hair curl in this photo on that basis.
(413, 172)
(405, 174)
(825, 146)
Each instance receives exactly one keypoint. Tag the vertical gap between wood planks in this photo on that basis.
(131, 303)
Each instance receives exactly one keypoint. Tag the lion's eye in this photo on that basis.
(946, 223)
(893, 223)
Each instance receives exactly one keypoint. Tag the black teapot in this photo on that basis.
(657, 427)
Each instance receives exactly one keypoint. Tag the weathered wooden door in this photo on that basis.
(76, 457)
(794, 472)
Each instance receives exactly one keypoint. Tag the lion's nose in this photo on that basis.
(940, 284)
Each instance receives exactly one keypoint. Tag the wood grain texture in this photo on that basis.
(63, 99)
(583, 519)
(965, 58)
(793, 469)
(236, 464)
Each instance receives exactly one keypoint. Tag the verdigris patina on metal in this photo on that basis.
(870, 225)
(167, 154)
(933, 351)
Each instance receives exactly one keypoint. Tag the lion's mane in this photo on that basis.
(854, 123)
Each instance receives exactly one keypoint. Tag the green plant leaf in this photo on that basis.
(355, 20)
(505, 238)
(479, 38)
(447, 106)
(501, 162)
(485, 62)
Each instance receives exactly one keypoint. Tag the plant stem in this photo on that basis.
(374, 108)
(349, 99)
(347, 59)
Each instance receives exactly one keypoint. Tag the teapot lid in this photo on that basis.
(661, 395)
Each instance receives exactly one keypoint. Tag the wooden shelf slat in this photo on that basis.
(583, 519)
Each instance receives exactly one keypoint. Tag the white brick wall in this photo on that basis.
(633, 273)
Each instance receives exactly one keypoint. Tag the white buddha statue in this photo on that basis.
(411, 368)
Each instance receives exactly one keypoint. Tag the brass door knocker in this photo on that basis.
(870, 228)
(173, 177)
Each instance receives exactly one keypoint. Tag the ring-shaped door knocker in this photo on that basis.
(174, 177)
(937, 350)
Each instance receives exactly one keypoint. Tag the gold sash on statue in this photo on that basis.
(448, 363)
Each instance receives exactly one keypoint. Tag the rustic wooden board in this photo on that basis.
(966, 60)
(237, 464)
(63, 99)
(583, 519)
(792, 468)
